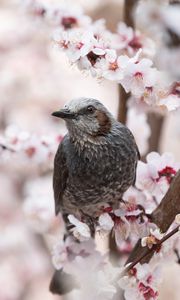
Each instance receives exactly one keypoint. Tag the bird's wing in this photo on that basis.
(127, 131)
(60, 175)
(137, 149)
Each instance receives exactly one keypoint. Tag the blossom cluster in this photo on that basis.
(103, 279)
(124, 56)
(76, 258)
(155, 176)
(25, 147)
(141, 283)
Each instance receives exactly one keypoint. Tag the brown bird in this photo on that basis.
(94, 164)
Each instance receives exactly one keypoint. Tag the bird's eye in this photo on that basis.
(90, 109)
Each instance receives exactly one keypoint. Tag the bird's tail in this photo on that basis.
(62, 283)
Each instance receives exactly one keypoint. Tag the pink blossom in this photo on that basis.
(125, 35)
(141, 283)
(98, 282)
(141, 198)
(26, 147)
(76, 43)
(110, 66)
(132, 41)
(81, 230)
(139, 75)
(105, 222)
(154, 237)
(156, 175)
(129, 222)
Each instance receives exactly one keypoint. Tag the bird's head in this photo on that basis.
(86, 117)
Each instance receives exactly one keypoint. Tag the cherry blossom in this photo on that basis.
(106, 223)
(141, 198)
(80, 230)
(139, 75)
(77, 43)
(156, 175)
(132, 41)
(98, 282)
(95, 49)
(64, 252)
(25, 147)
(141, 283)
(154, 237)
(129, 221)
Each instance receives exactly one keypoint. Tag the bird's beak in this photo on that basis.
(64, 114)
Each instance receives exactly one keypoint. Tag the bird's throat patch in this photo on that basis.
(104, 122)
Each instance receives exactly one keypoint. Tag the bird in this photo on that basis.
(95, 162)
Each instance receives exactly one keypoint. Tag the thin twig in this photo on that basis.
(151, 250)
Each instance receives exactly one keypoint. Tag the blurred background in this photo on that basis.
(36, 80)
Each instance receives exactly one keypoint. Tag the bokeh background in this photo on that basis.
(36, 79)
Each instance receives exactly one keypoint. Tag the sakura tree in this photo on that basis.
(144, 230)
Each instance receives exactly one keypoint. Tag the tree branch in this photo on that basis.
(150, 251)
(156, 122)
(122, 109)
(129, 6)
(162, 216)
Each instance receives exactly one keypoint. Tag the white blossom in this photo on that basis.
(152, 239)
(141, 283)
(105, 221)
(81, 230)
(156, 175)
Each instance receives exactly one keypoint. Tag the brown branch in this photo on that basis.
(122, 109)
(129, 6)
(162, 216)
(156, 122)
